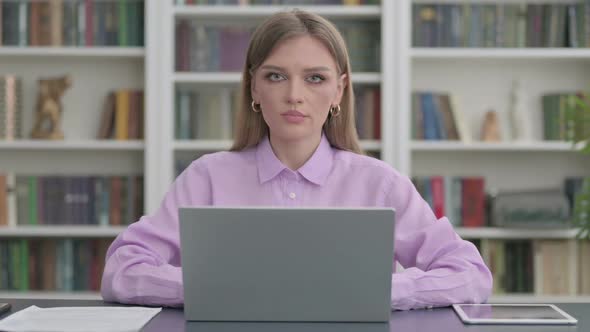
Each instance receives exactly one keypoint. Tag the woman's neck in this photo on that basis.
(294, 153)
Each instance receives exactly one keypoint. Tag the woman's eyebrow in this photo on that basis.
(311, 69)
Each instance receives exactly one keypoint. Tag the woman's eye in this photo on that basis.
(315, 79)
(275, 77)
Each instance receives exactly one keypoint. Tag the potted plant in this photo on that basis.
(578, 123)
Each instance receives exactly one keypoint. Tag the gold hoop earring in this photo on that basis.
(335, 111)
(254, 107)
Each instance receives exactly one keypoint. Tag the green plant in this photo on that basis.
(578, 127)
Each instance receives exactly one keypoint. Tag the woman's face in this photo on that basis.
(296, 86)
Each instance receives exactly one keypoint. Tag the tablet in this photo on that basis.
(512, 314)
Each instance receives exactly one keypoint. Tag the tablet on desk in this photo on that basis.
(512, 314)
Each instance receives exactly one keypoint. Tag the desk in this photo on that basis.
(434, 320)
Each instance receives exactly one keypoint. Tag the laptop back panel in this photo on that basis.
(277, 264)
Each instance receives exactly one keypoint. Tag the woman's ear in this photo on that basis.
(253, 92)
(342, 82)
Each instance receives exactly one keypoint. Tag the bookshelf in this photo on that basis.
(480, 76)
(503, 54)
(174, 80)
(75, 231)
(98, 62)
(249, 12)
(73, 51)
(72, 145)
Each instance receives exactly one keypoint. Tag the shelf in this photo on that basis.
(218, 145)
(92, 231)
(51, 295)
(101, 52)
(510, 233)
(71, 145)
(532, 298)
(498, 147)
(499, 53)
(255, 12)
(89, 295)
(234, 78)
(202, 145)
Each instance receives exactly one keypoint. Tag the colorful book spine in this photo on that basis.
(10, 108)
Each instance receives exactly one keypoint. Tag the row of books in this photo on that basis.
(542, 267)
(461, 199)
(501, 25)
(70, 200)
(11, 105)
(201, 48)
(436, 116)
(209, 114)
(465, 202)
(563, 118)
(368, 112)
(205, 113)
(278, 2)
(52, 264)
(123, 115)
(72, 23)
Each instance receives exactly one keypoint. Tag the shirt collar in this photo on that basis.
(315, 170)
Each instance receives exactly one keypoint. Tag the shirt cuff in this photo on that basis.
(402, 291)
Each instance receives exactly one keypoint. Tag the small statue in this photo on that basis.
(49, 108)
(490, 130)
(520, 125)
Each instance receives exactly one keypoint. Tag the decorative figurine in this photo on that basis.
(490, 131)
(49, 108)
(520, 125)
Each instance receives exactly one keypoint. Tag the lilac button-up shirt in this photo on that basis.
(143, 263)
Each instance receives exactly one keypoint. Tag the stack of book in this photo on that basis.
(10, 108)
(563, 119)
(72, 23)
(501, 25)
(70, 200)
(123, 116)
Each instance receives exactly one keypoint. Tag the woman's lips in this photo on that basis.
(293, 116)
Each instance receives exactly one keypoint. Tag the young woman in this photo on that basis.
(296, 145)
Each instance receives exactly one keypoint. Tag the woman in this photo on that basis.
(296, 145)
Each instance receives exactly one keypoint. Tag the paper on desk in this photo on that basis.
(74, 319)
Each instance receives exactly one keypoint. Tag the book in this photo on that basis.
(10, 107)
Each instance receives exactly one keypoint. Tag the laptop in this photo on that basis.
(287, 264)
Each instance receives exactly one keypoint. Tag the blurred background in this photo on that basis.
(484, 104)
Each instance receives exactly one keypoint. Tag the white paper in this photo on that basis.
(74, 319)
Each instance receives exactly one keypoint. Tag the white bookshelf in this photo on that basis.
(95, 71)
(510, 233)
(480, 79)
(259, 12)
(73, 145)
(499, 54)
(80, 295)
(74, 52)
(217, 145)
(75, 231)
(234, 78)
(51, 295)
(172, 79)
(457, 146)
(531, 298)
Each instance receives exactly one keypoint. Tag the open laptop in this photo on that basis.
(287, 264)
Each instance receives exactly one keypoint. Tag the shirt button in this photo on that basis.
(292, 195)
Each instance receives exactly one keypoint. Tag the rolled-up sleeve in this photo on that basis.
(440, 268)
(143, 263)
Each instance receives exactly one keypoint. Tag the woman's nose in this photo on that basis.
(295, 93)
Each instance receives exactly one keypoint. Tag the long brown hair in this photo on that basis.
(250, 126)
